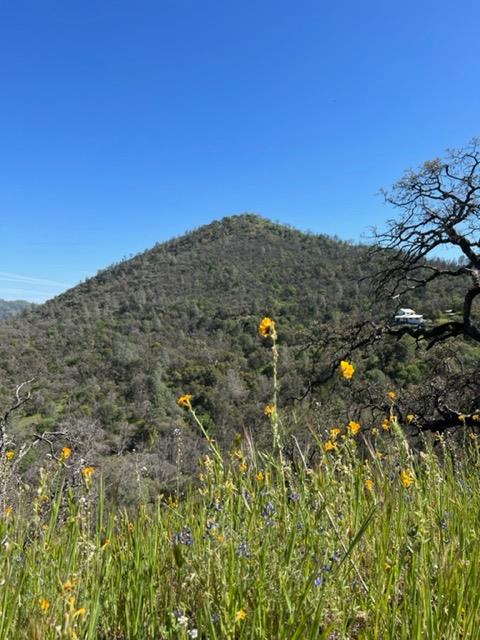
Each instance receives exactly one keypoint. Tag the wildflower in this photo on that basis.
(266, 327)
(240, 615)
(242, 550)
(8, 511)
(347, 369)
(329, 446)
(318, 582)
(221, 538)
(387, 566)
(293, 496)
(410, 418)
(193, 633)
(386, 424)
(268, 510)
(182, 620)
(68, 586)
(106, 544)
(374, 431)
(472, 435)
(130, 527)
(243, 467)
(334, 432)
(368, 484)
(44, 604)
(66, 453)
(476, 417)
(10, 455)
(185, 400)
(80, 612)
(406, 476)
(462, 418)
(183, 537)
(269, 410)
(207, 462)
(87, 473)
(392, 395)
(353, 427)
(260, 477)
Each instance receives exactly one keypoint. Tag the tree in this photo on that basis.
(439, 207)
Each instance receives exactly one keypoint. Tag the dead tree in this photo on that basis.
(439, 207)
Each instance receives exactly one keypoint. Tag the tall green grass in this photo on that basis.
(372, 541)
(255, 550)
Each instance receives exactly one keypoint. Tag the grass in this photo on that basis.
(370, 541)
(256, 550)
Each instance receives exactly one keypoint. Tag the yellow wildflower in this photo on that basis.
(269, 410)
(185, 400)
(411, 417)
(221, 538)
(68, 586)
(260, 476)
(44, 604)
(80, 612)
(8, 511)
(240, 615)
(368, 484)
(472, 436)
(329, 446)
(334, 432)
(10, 455)
(462, 418)
(353, 427)
(87, 473)
(476, 417)
(266, 327)
(347, 369)
(66, 453)
(392, 395)
(387, 566)
(406, 476)
(386, 424)
(243, 466)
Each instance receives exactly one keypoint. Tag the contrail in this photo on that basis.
(15, 277)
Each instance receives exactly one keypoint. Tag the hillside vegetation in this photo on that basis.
(9, 308)
(111, 356)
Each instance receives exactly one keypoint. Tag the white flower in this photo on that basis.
(193, 633)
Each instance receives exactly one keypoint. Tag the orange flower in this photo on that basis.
(353, 427)
(240, 615)
(87, 473)
(329, 446)
(347, 369)
(407, 478)
(44, 604)
(334, 432)
(266, 327)
(368, 484)
(66, 453)
(185, 400)
(269, 410)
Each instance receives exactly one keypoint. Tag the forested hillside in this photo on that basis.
(111, 356)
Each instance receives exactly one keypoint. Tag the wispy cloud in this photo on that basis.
(15, 277)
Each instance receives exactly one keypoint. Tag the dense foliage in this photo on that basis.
(111, 356)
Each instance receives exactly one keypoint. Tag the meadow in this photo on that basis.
(375, 540)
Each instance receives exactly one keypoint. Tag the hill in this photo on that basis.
(11, 307)
(111, 356)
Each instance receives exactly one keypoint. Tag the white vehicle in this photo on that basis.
(408, 316)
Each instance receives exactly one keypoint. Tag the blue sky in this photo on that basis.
(127, 123)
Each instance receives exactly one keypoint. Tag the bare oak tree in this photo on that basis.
(439, 207)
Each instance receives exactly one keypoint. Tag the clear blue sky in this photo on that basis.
(126, 123)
